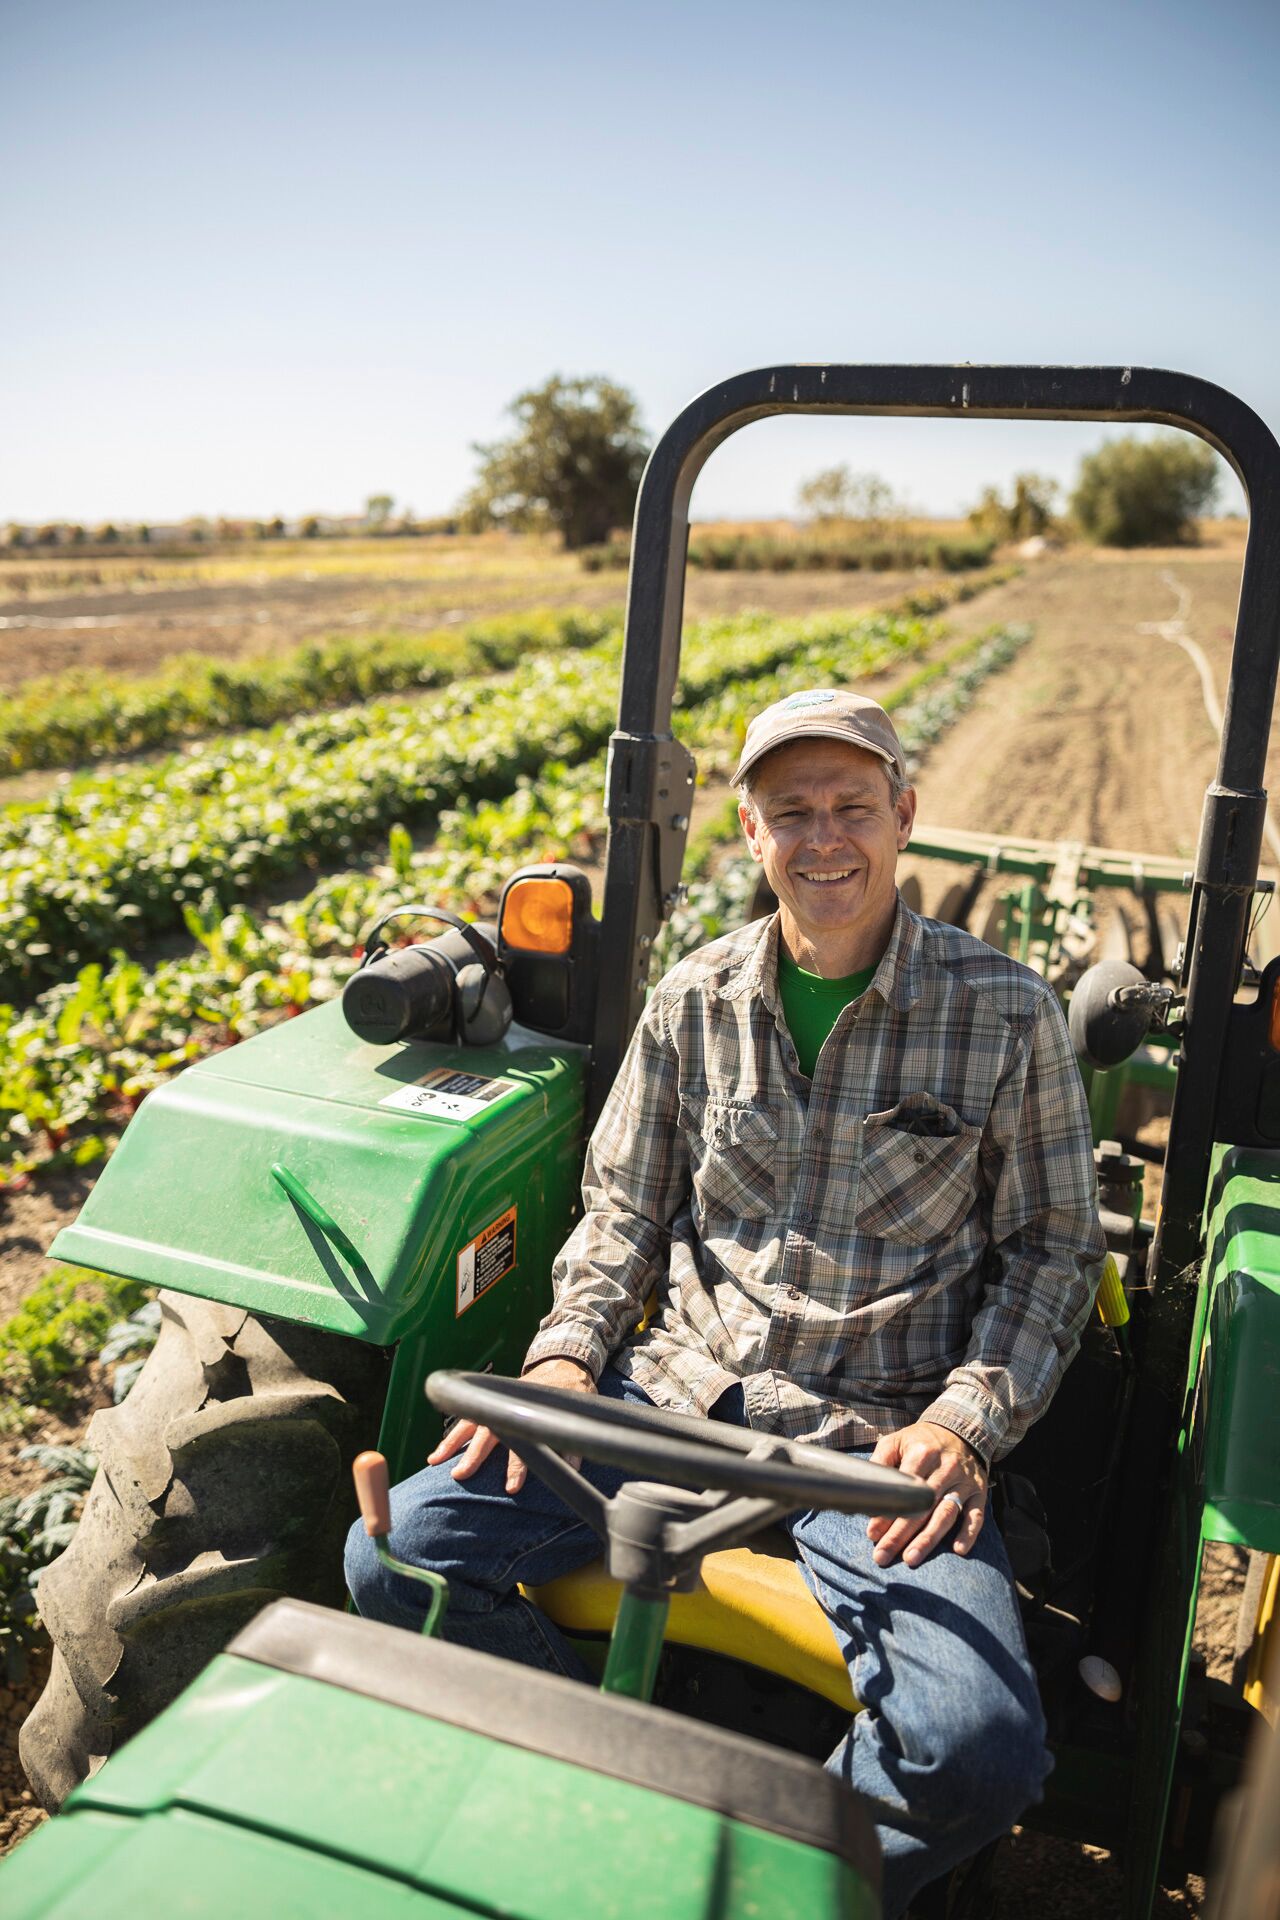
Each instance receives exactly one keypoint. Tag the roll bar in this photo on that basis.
(650, 777)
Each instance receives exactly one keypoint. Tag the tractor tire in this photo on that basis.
(223, 1483)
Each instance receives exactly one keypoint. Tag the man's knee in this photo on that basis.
(365, 1573)
(995, 1772)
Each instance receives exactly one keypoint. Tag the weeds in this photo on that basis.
(62, 1323)
(34, 1529)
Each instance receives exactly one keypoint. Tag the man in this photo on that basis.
(849, 1149)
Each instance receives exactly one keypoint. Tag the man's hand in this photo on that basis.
(951, 1466)
(479, 1442)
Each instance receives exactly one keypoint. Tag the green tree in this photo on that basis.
(837, 493)
(1030, 509)
(377, 508)
(1145, 493)
(573, 464)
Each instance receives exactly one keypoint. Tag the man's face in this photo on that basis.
(828, 836)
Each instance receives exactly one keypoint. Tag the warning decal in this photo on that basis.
(488, 1257)
(449, 1094)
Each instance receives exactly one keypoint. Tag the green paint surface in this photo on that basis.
(189, 1200)
(1239, 1388)
(261, 1793)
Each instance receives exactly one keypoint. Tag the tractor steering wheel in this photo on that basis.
(673, 1448)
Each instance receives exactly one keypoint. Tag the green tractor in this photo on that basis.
(353, 1218)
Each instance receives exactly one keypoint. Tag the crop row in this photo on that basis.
(71, 718)
(76, 1065)
(112, 861)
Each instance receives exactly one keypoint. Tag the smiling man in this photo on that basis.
(848, 1156)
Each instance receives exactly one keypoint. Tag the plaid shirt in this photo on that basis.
(912, 1235)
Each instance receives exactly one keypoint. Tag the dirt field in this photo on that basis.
(268, 600)
(1096, 733)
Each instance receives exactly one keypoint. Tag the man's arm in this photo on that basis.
(1047, 1247)
(635, 1178)
(1047, 1251)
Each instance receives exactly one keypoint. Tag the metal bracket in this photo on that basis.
(1230, 840)
(649, 781)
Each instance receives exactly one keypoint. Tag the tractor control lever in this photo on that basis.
(373, 1491)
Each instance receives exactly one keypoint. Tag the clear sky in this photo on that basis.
(274, 257)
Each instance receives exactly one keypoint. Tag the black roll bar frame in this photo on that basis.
(650, 777)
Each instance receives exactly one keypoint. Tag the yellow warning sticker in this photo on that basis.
(484, 1261)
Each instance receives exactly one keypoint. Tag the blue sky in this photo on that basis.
(276, 257)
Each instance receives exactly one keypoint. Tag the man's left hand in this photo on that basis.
(954, 1470)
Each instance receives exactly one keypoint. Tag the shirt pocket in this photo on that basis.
(733, 1155)
(919, 1175)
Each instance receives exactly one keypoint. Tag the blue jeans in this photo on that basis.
(949, 1750)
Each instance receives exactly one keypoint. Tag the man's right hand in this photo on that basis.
(476, 1443)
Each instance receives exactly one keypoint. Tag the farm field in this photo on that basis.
(128, 615)
(1089, 728)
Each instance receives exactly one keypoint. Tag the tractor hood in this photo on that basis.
(311, 1175)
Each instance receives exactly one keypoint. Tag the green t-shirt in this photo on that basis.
(812, 1005)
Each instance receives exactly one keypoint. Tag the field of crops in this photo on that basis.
(501, 770)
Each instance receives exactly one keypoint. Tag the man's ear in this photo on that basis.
(906, 812)
(750, 823)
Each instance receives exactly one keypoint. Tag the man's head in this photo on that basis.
(826, 810)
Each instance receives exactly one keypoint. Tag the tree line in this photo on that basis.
(573, 461)
(571, 465)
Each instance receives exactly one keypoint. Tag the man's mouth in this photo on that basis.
(828, 879)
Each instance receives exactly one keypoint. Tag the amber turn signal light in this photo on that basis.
(537, 916)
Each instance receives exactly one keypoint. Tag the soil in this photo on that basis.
(1096, 733)
(28, 1222)
(134, 632)
(19, 1814)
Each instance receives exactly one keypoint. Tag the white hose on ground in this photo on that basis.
(1175, 630)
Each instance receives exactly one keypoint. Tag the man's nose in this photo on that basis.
(824, 832)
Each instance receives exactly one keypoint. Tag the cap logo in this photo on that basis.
(798, 700)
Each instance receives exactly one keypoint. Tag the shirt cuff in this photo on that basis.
(960, 1416)
(567, 1343)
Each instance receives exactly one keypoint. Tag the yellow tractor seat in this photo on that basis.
(750, 1603)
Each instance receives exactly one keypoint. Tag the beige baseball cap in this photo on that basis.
(827, 713)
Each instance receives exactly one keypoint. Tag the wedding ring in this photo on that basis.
(959, 1503)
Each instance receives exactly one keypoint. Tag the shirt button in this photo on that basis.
(804, 1216)
(919, 1156)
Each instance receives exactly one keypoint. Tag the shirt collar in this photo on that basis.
(896, 979)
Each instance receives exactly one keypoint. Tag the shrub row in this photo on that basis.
(765, 553)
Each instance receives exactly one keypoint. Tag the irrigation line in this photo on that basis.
(1175, 630)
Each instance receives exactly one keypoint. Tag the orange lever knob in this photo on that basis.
(373, 1490)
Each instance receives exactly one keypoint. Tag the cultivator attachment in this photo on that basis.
(1051, 918)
